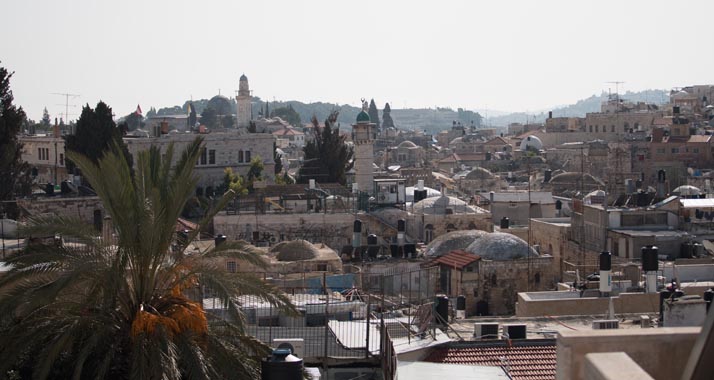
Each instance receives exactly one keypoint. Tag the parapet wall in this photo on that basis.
(570, 303)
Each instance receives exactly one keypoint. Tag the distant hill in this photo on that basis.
(580, 108)
(430, 119)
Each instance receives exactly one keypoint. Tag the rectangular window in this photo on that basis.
(660, 150)
(39, 153)
(612, 129)
(212, 157)
(695, 150)
(675, 150)
(240, 156)
(61, 159)
(247, 156)
(597, 129)
(203, 156)
(322, 267)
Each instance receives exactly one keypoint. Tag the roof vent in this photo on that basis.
(606, 324)
(514, 331)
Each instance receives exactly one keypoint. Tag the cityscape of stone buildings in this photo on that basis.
(514, 252)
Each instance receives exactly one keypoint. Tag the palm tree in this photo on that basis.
(96, 309)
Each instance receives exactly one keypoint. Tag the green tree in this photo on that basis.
(373, 113)
(14, 173)
(122, 308)
(209, 117)
(46, 121)
(267, 110)
(327, 157)
(95, 133)
(134, 121)
(234, 182)
(289, 115)
(278, 158)
(228, 121)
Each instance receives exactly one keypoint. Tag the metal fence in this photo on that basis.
(358, 322)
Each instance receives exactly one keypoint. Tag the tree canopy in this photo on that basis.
(14, 173)
(127, 305)
(327, 157)
(95, 133)
(373, 113)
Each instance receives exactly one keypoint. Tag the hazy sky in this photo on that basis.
(503, 55)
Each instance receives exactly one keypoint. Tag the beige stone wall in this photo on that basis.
(625, 303)
(661, 352)
(335, 230)
(501, 281)
(552, 239)
(79, 207)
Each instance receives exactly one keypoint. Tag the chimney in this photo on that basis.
(56, 131)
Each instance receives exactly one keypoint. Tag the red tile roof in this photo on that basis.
(524, 360)
(455, 259)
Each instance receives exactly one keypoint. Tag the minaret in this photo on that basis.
(243, 103)
(362, 137)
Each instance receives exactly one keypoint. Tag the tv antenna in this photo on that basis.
(66, 103)
(617, 91)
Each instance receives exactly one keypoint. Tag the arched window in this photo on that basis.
(450, 227)
(428, 233)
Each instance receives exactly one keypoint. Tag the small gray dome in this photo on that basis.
(499, 246)
(407, 144)
(295, 250)
(686, 190)
(532, 142)
(221, 104)
(439, 205)
(479, 173)
(453, 240)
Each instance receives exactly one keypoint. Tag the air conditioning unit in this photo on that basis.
(514, 331)
(486, 330)
(296, 345)
(606, 324)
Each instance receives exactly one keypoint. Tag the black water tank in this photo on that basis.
(649, 258)
(219, 239)
(410, 250)
(372, 239)
(64, 187)
(281, 366)
(357, 226)
(709, 297)
(675, 110)
(442, 310)
(641, 198)
(401, 225)
(394, 251)
(505, 222)
(488, 156)
(419, 195)
(661, 176)
(685, 251)
(605, 261)
(482, 308)
(50, 189)
(548, 175)
(558, 205)
(460, 303)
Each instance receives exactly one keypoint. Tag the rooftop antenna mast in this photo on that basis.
(66, 103)
(617, 92)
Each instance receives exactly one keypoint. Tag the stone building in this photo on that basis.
(46, 155)
(407, 154)
(229, 148)
(489, 269)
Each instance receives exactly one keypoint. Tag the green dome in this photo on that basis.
(363, 117)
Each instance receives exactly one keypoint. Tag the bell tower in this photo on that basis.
(363, 139)
(243, 111)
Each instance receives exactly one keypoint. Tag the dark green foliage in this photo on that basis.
(14, 173)
(134, 121)
(267, 110)
(373, 114)
(327, 158)
(228, 121)
(95, 133)
(288, 114)
(209, 117)
(46, 120)
(387, 121)
(277, 157)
